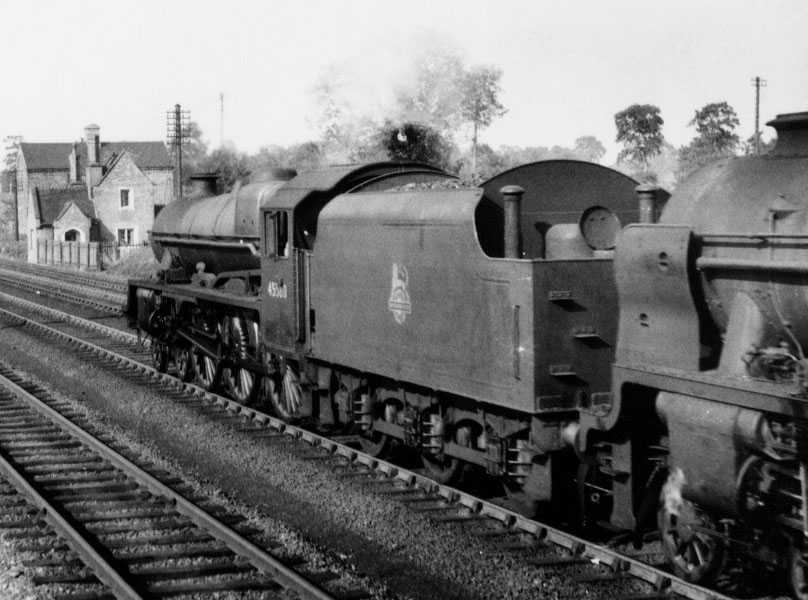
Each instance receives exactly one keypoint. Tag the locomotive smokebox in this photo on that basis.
(512, 200)
(750, 215)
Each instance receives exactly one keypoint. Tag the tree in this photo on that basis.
(639, 129)
(413, 141)
(715, 125)
(301, 157)
(194, 151)
(479, 102)
(433, 94)
(749, 147)
(589, 148)
(228, 163)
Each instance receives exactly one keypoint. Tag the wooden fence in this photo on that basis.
(91, 256)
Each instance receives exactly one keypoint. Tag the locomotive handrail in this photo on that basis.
(742, 264)
(797, 236)
(218, 244)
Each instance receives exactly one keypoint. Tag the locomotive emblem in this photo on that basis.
(399, 302)
(276, 289)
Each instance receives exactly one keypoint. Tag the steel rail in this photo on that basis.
(105, 304)
(123, 336)
(105, 572)
(258, 557)
(580, 547)
(58, 274)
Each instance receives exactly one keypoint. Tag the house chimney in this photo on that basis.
(75, 168)
(92, 138)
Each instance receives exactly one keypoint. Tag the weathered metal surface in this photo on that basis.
(512, 199)
(559, 191)
(405, 279)
(699, 429)
(194, 229)
(402, 279)
(223, 231)
(293, 214)
(656, 305)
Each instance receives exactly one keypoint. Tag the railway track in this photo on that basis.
(538, 544)
(103, 300)
(81, 278)
(128, 533)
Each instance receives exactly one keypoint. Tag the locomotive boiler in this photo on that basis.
(710, 398)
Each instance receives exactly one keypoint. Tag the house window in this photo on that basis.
(72, 236)
(126, 198)
(126, 237)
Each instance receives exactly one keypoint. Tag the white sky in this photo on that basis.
(568, 66)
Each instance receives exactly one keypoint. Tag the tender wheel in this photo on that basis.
(206, 370)
(159, 355)
(373, 442)
(284, 392)
(240, 384)
(445, 469)
(696, 555)
(183, 362)
(798, 572)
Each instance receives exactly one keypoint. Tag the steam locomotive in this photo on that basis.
(654, 374)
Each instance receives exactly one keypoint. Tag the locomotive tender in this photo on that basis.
(661, 384)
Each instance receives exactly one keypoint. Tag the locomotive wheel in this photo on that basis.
(206, 370)
(696, 555)
(798, 572)
(240, 384)
(445, 469)
(184, 363)
(284, 392)
(159, 355)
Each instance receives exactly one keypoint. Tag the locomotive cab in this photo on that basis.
(288, 234)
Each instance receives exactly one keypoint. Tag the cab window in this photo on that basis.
(276, 228)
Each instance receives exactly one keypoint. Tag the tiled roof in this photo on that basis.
(52, 203)
(46, 156)
(147, 155)
(55, 156)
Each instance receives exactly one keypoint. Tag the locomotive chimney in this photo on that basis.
(203, 185)
(646, 198)
(512, 201)
(792, 134)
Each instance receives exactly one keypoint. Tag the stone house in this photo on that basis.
(92, 190)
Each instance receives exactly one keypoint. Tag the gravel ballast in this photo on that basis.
(356, 529)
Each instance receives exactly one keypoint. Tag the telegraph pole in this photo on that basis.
(758, 83)
(177, 134)
(13, 148)
(221, 119)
